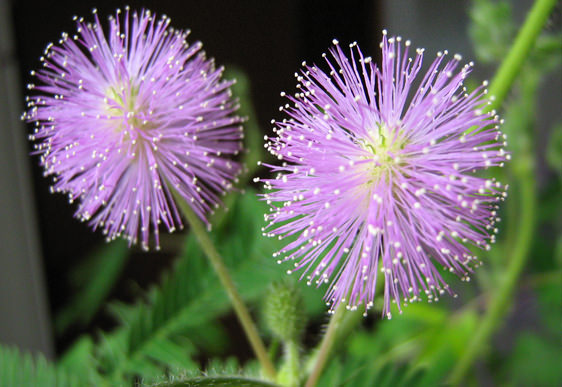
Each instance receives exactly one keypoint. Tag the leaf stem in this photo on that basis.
(217, 262)
(289, 373)
(524, 41)
(326, 346)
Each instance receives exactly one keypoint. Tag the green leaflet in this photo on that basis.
(24, 369)
(79, 360)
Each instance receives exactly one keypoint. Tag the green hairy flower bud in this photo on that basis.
(284, 311)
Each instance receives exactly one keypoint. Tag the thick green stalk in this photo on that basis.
(525, 40)
(500, 303)
(289, 373)
(240, 308)
(326, 346)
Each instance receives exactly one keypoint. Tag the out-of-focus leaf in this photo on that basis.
(94, 279)
(558, 251)
(519, 117)
(346, 370)
(426, 338)
(426, 313)
(79, 360)
(23, 369)
(172, 355)
(491, 30)
(212, 337)
(535, 362)
(443, 346)
(547, 54)
(111, 349)
(554, 149)
(550, 302)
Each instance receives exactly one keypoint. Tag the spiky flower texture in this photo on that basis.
(120, 118)
(377, 175)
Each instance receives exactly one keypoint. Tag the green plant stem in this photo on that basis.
(326, 346)
(348, 324)
(510, 67)
(293, 360)
(499, 304)
(524, 41)
(240, 308)
(289, 374)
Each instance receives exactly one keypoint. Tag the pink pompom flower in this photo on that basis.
(377, 175)
(121, 117)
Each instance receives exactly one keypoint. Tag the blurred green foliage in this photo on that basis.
(492, 29)
(17, 369)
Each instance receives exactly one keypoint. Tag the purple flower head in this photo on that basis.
(377, 175)
(122, 117)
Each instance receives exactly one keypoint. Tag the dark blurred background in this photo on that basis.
(40, 241)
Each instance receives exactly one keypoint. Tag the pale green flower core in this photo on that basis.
(386, 146)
